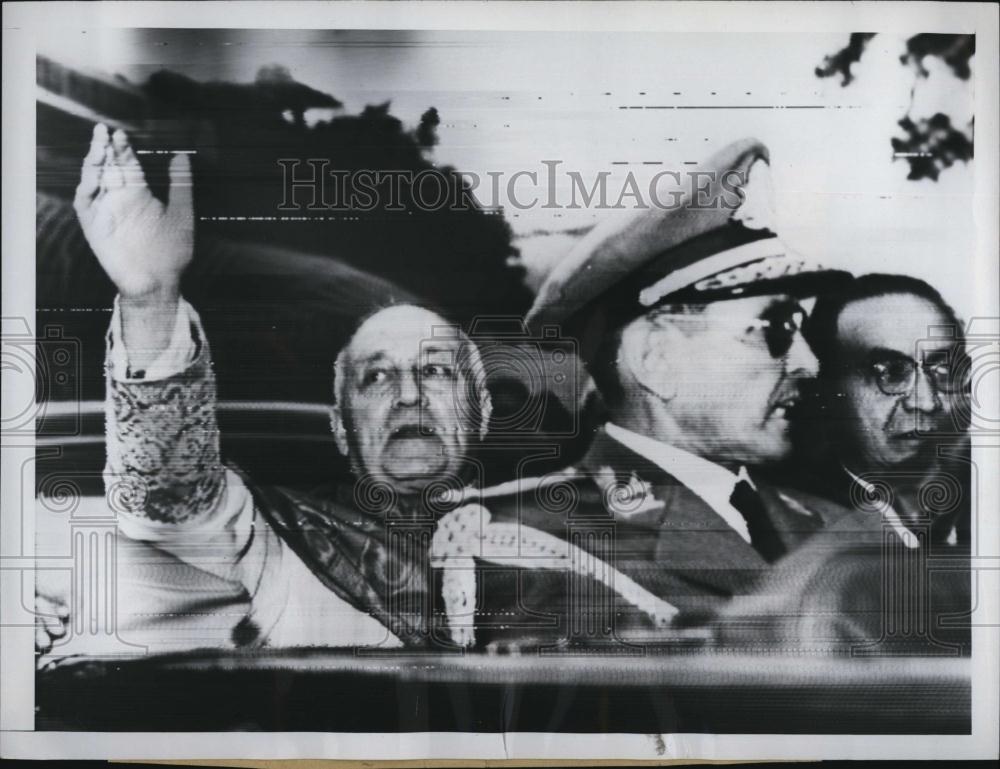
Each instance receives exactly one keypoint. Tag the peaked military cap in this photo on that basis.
(716, 242)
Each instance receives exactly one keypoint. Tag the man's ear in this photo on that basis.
(648, 354)
(339, 431)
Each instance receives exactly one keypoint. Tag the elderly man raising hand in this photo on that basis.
(208, 558)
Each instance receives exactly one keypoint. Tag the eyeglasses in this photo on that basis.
(780, 322)
(896, 374)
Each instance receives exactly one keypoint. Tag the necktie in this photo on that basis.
(763, 537)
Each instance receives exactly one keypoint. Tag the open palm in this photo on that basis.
(142, 244)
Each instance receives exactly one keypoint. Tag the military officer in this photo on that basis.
(689, 322)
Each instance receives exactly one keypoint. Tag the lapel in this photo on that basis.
(669, 530)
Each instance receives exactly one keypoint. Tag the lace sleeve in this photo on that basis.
(163, 461)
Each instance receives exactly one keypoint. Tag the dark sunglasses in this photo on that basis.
(780, 322)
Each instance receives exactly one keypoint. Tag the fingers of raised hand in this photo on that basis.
(92, 170)
(120, 168)
(113, 176)
(180, 204)
(112, 187)
(98, 142)
(128, 162)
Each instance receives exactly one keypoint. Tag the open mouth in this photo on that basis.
(415, 432)
(414, 451)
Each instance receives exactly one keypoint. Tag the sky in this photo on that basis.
(623, 102)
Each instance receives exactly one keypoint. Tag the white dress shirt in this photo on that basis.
(712, 483)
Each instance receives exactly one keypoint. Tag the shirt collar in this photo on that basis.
(711, 482)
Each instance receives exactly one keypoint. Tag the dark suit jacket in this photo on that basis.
(856, 589)
(624, 509)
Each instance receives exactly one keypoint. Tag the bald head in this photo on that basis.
(410, 397)
(398, 328)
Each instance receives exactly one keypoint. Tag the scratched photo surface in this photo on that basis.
(414, 381)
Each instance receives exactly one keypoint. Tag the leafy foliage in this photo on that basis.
(955, 50)
(455, 259)
(841, 61)
(930, 144)
(426, 133)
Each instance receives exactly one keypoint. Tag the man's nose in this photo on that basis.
(924, 396)
(801, 360)
(409, 391)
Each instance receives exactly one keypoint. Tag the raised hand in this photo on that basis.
(142, 244)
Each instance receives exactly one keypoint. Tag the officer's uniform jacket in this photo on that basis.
(619, 548)
(633, 553)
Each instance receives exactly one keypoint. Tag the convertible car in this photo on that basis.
(275, 318)
(685, 688)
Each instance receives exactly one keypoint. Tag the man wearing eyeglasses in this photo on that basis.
(891, 576)
(688, 320)
(893, 376)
